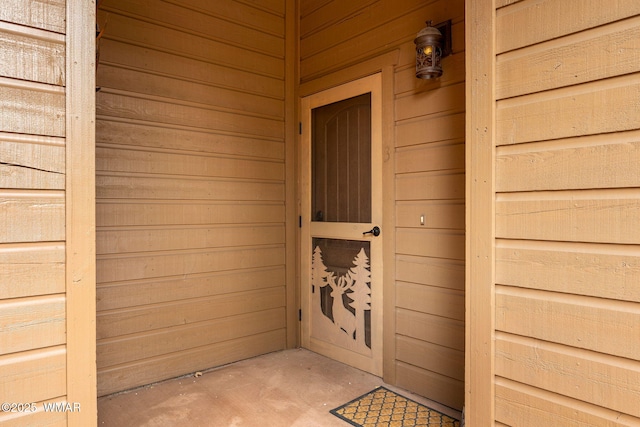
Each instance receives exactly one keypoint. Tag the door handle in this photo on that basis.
(375, 231)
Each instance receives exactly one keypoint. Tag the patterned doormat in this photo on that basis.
(384, 408)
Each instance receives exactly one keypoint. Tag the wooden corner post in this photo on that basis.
(480, 213)
(80, 212)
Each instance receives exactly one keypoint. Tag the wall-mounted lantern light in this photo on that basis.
(432, 44)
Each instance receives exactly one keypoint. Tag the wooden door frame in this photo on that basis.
(385, 65)
(480, 17)
(80, 267)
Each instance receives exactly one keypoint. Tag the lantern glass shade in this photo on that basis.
(429, 49)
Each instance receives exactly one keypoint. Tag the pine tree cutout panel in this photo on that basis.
(341, 294)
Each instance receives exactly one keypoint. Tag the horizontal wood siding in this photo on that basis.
(568, 196)
(33, 357)
(190, 161)
(45, 15)
(429, 157)
(430, 185)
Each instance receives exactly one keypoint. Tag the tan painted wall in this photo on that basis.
(47, 261)
(32, 208)
(427, 352)
(191, 187)
(567, 263)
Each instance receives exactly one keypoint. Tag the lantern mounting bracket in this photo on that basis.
(445, 30)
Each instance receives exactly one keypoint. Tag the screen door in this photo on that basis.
(341, 236)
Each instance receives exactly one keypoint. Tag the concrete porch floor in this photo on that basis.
(284, 389)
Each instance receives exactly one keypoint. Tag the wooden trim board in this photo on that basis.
(80, 213)
(480, 213)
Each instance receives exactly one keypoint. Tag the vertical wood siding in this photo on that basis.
(190, 160)
(567, 202)
(429, 127)
(32, 208)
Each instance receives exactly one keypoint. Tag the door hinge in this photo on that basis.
(300, 315)
(300, 128)
(300, 221)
